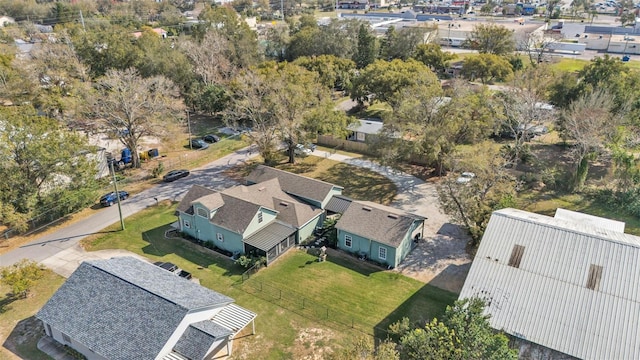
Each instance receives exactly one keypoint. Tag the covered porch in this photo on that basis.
(272, 241)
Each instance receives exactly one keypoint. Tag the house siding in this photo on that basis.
(335, 191)
(407, 243)
(268, 216)
(358, 243)
(307, 229)
(202, 229)
(90, 355)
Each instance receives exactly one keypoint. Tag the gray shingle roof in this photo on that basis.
(546, 298)
(269, 194)
(293, 184)
(270, 236)
(124, 308)
(198, 338)
(236, 214)
(194, 193)
(377, 222)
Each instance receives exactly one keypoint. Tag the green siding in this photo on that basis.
(202, 229)
(334, 191)
(267, 217)
(307, 230)
(372, 248)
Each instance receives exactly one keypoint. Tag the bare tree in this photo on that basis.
(252, 103)
(536, 45)
(589, 122)
(133, 107)
(210, 58)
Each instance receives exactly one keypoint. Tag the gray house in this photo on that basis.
(379, 232)
(124, 308)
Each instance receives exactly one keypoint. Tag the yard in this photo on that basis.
(19, 330)
(344, 297)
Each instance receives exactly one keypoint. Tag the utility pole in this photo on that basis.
(115, 186)
(282, 8)
(189, 125)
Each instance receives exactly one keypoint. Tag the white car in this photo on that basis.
(465, 177)
(302, 150)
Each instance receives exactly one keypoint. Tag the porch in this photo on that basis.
(272, 241)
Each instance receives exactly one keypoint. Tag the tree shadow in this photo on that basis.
(352, 263)
(425, 304)
(360, 183)
(160, 246)
(6, 301)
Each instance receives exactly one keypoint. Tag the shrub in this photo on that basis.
(159, 169)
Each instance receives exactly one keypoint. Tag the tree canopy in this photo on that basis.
(492, 39)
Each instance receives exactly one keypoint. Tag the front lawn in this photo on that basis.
(19, 330)
(360, 299)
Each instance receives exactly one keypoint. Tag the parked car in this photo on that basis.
(211, 138)
(111, 198)
(465, 177)
(174, 175)
(199, 144)
(301, 150)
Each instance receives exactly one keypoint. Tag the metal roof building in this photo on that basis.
(569, 283)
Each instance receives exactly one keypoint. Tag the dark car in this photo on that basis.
(199, 144)
(174, 175)
(111, 198)
(211, 138)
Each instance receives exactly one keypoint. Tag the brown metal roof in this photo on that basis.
(293, 184)
(338, 204)
(377, 222)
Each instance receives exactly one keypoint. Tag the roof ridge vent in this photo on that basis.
(284, 203)
(392, 216)
(366, 208)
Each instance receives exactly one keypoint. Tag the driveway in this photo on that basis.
(441, 259)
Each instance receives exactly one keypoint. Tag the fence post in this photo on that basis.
(303, 303)
(327, 313)
(260, 285)
(280, 294)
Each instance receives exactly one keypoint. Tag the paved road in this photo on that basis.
(210, 175)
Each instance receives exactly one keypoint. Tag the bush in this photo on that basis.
(159, 169)
(21, 276)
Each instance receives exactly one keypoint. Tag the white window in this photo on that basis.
(347, 241)
(220, 237)
(186, 223)
(382, 253)
(260, 216)
(202, 212)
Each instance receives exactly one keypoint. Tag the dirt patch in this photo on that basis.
(313, 343)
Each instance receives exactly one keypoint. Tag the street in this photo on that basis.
(210, 175)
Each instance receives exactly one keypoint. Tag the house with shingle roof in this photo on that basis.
(570, 283)
(125, 308)
(260, 218)
(378, 232)
(312, 191)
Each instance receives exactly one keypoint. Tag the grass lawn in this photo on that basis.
(359, 183)
(19, 330)
(367, 297)
(572, 65)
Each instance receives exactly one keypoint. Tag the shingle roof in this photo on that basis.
(269, 195)
(194, 193)
(212, 201)
(270, 236)
(367, 126)
(124, 308)
(198, 338)
(293, 184)
(377, 222)
(545, 299)
(236, 214)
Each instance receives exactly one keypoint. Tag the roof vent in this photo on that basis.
(392, 216)
(365, 208)
(261, 189)
(284, 203)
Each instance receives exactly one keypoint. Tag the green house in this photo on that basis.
(377, 232)
(260, 218)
